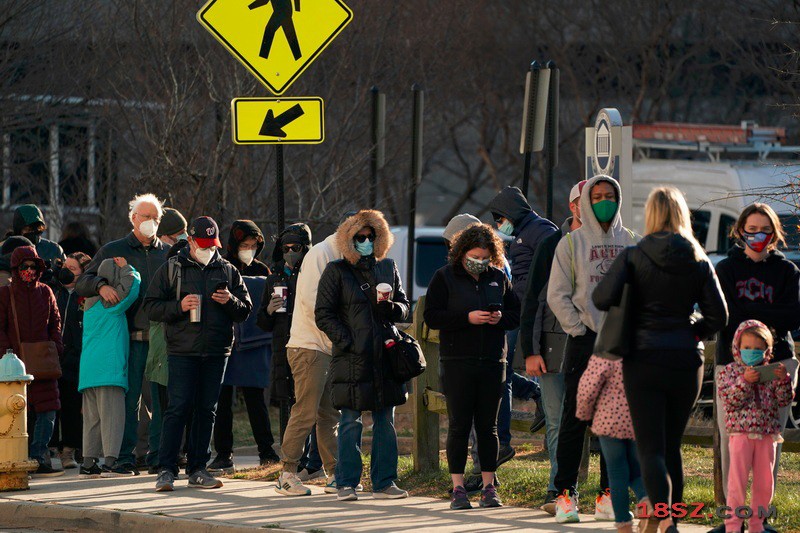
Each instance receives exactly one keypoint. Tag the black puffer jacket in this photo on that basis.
(452, 295)
(146, 261)
(213, 335)
(344, 312)
(667, 281)
(280, 323)
(71, 332)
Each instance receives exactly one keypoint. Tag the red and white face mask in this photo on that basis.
(28, 275)
(757, 241)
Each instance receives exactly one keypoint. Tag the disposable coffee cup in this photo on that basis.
(195, 314)
(384, 291)
(283, 292)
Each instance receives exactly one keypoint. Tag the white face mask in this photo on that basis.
(247, 256)
(148, 228)
(204, 255)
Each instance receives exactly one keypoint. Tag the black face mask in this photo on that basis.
(34, 237)
(65, 276)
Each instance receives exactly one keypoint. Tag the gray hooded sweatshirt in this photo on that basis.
(584, 264)
(120, 279)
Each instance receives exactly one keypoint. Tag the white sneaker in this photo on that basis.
(330, 485)
(566, 509)
(290, 485)
(603, 510)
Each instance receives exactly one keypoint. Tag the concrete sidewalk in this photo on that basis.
(250, 504)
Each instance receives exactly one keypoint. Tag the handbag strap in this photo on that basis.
(14, 311)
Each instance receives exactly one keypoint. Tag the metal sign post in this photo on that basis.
(552, 136)
(416, 177)
(537, 86)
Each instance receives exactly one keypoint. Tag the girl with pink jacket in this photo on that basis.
(601, 399)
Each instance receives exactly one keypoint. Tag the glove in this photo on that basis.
(386, 308)
(275, 303)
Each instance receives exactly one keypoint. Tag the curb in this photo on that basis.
(26, 514)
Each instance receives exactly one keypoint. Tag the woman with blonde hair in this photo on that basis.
(759, 283)
(471, 302)
(668, 275)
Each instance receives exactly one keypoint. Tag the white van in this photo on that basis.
(430, 255)
(717, 193)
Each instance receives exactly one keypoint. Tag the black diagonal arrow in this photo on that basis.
(273, 126)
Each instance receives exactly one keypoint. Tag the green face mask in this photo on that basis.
(605, 210)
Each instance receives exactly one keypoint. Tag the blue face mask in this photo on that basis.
(506, 228)
(365, 248)
(752, 357)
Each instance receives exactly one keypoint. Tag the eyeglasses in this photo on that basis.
(27, 266)
(362, 238)
(292, 248)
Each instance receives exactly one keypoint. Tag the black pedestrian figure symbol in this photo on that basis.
(281, 18)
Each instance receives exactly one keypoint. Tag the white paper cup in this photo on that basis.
(283, 292)
(384, 291)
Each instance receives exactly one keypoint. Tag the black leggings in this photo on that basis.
(473, 390)
(661, 400)
(257, 413)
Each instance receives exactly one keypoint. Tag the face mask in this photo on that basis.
(34, 237)
(365, 248)
(752, 357)
(292, 258)
(247, 256)
(476, 266)
(757, 241)
(148, 228)
(506, 228)
(27, 275)
(204, 255)
(66, 276)
(182, 237)
(605, 210)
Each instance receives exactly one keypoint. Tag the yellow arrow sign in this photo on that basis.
(278, 120)
(275, 39)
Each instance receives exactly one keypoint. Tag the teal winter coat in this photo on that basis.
(106, 340)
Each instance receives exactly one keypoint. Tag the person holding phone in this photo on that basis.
(751, 400)
(471, 302)
(759, 283)
(191, 283)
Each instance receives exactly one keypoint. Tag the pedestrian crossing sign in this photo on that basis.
(278, 120)
(275, 39)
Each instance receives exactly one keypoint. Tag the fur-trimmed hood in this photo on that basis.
(352, 225)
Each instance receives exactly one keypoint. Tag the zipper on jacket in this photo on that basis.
(481, 327)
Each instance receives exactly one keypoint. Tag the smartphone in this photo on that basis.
(766, 372)
(221, 286)
(493, 308)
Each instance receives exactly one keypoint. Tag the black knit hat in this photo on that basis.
(172, 222)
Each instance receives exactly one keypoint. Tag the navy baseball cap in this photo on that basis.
(206, 232)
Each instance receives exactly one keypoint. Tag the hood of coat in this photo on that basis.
(511, 204)
(737, 252)
(109, 271)
(670, 251)
(298, 232)
(241, 230)
(27, 215)
(25, 253)
(589, 219)
(352, 225)
(735, 352)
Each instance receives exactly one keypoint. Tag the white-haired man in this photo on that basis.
(146, 253)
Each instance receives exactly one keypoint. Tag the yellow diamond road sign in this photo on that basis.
(275, 39)
(278, 120)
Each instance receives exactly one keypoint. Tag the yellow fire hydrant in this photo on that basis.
(14, 462)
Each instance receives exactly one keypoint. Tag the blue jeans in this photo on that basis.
(154, 439)
(383, 461)
(552, 400)
(520, 386)
(137, 359)
(623, 472)
(42, 432)
(194, 384)
(311, 458)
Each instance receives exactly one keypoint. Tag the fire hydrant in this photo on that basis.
(14, 462)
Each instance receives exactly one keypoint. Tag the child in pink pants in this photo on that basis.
(751, 405)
